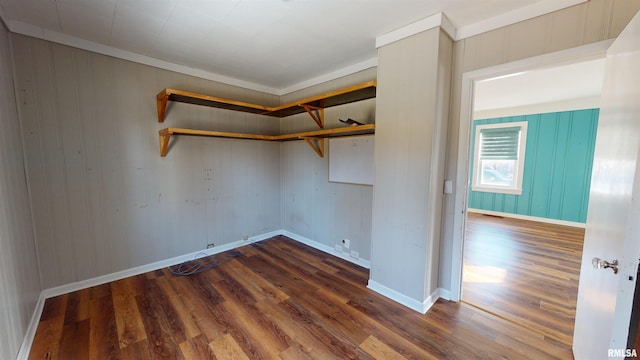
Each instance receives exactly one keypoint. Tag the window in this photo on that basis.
(499, 157)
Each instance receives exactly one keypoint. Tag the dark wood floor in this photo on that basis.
(279, 299)
(524, 271)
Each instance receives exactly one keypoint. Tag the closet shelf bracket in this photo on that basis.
(161, 102)
(317, 144)
(165, 136)
(316, 113)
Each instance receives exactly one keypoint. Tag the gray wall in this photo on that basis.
(19, 280)
(313, 207)
(578, 25)
(103, 199)
(412, 106)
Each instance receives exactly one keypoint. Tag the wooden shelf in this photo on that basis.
(315, 138)
(314, 106)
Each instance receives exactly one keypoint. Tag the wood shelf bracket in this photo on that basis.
(316, 113)
(161, 101)
(317, 144)
(165, 135)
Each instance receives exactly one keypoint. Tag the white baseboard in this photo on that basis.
(329, 250)
(444, 294)
(75, 286)
(413, 304)
(527, 217)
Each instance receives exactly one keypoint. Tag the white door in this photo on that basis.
(613, 222)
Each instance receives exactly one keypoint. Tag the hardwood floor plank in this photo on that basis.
(175, 311)
(75, 341)
(128, 320)
(295, 353)
(226, 347)
(161, 344)
(77, 307)
(46, 343)
(196, 306)
(252, 322)
(285, 281)
(99, 291)
(278, 299)
(299, 328)
(139, 350)
(55, 307)
(103, 332)
(379, 350)
(164, 310)
(260, 288)
(197, 348)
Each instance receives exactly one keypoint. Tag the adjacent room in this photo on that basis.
(531, 161)
(290, 179)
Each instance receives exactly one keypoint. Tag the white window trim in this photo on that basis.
(518, 171)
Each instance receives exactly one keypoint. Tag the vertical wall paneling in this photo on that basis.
(103, 198)
(19, 278)
(412, 106)
(313, 207)
(320, 210)
(591, 22)
(557, 167)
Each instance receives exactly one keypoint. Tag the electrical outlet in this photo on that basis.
(355, 254)
(245, 238)
(346, 243)
(209, 246)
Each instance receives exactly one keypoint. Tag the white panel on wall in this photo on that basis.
(19, 279)
(411, 108)
(103, 198)
(319, 210)
(351, 160)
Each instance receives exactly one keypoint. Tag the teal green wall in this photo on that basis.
(557, 168)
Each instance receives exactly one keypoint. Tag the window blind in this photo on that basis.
(499, 143)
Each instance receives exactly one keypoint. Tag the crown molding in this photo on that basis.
(514, 16)
(433, 21)
(352, 69)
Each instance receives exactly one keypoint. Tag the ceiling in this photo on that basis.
(274, 46)
(565, 87)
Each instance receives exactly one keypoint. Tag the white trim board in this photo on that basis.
(428, 23)
(440, 19)
(27, 342)
(515, 16)
(529, 218)
(29, 336)
(329, 250)
(413, 304)
(559, 106)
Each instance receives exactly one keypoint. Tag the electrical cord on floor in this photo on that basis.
(201, 264)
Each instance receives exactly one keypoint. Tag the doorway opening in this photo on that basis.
(512, 265)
